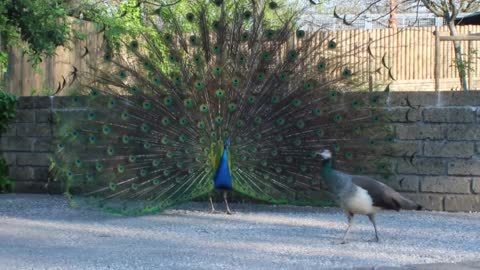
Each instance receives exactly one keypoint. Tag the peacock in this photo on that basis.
(229, 95)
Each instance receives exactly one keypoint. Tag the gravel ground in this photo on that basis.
(42, 232)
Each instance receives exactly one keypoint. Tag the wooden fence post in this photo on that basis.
(437, 58)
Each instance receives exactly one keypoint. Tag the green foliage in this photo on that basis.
(41, 24)
(6, 185)
(7, 113)
(7, 109)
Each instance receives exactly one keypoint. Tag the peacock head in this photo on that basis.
(227, 142)
(325, 154)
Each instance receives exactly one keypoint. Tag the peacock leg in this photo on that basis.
(350, 224)
(226, 203)
(212, 208)
(372, 219)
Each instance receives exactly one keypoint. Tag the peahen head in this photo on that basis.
(325, 154)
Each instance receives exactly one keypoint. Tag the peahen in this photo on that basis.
(155, 124)
(361, 195)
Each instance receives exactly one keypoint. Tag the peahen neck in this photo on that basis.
(334, 180)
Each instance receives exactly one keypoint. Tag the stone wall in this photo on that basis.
(438, 132)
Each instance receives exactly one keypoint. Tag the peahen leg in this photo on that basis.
(212, 208)
(226, 203)
(350, 224)
(372, 219)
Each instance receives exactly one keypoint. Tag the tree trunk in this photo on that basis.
(392, 18)
(460, 64)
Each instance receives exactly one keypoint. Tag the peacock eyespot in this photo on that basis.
(260, 77)
(121, 168)
(279, 138)
(296, 102)
(190, 17)
(219, 120)
(78, 163)
(145, 127)
(108, 57)
(183, 138)
(125, 139)
(166, 121)
(93, 92)
(178, 80)
(300, 124)
(183, 121)
(308, 86)
(332, 44)
(280, 121)
(245, 36)
(134, 45)
(172, 58)
(193, 40)
(92, 139)
(168, 37)
(322, 66)
(347, 73)
(270, 34)
(134, 89)
(167, 101)
(155, 163)
(204, 108)
(282, 76)
(336, 147)
(273, 5)
(220, 93)
(320, 132)
(266, 56)
(165, 140)
(292, 55)
(188, 103)
(242, 60)
(232, 107)
(106, 130)
(99, 166)
(157, 80)
(217, 49)
(197, 60)
(112, 186)
(147, 105)
(348, 155)
(240, 123)
(201, 125)
(337, 118)
(147, 145)
(275, 99)
(297, 142)
(236, 82)
(300, 33)
(247, 15)
(91, 116)
(251, 100)
(217, 70)
(317, 111)
(258, 120)
(216, 25)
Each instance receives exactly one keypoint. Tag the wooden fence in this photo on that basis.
(409, 52)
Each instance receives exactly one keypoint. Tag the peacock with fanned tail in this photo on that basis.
(231, 95)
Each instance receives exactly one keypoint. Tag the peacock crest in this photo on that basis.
(156, 113)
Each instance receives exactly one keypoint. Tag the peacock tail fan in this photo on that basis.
(154, 115)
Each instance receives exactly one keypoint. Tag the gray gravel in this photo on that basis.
(42, 232)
